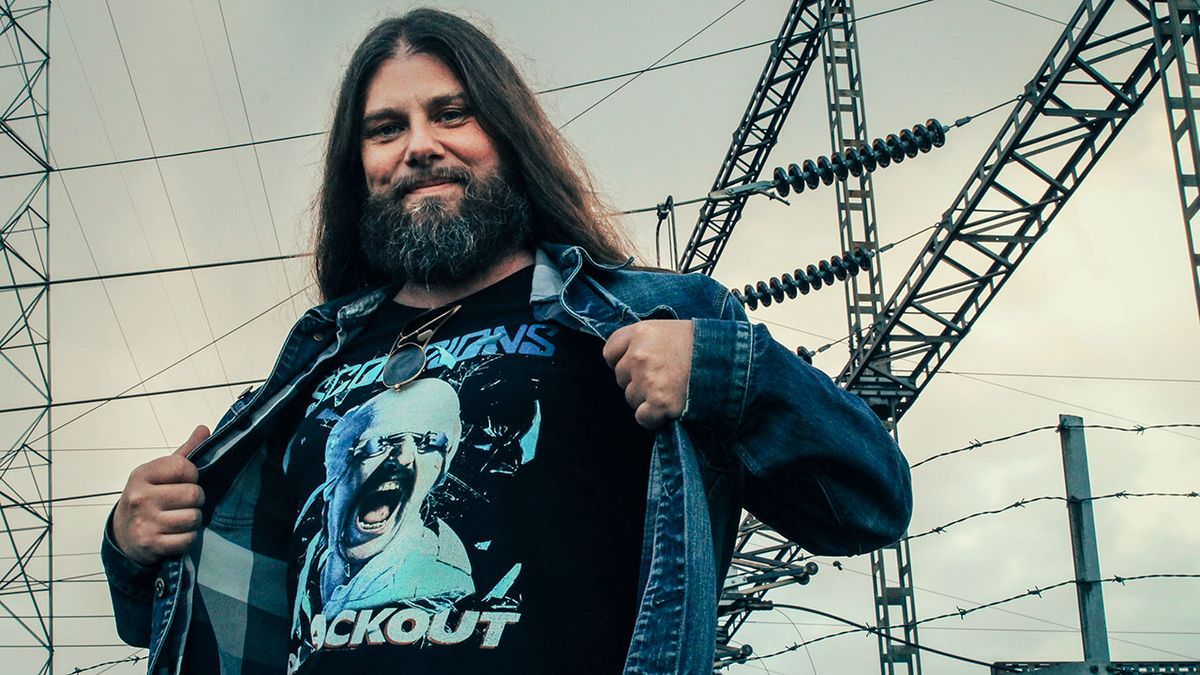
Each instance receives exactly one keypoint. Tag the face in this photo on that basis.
(387, 456)
(395, 470)
(421, 139)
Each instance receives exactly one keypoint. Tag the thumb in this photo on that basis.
(198, 434)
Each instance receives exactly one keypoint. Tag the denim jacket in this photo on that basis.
(761, 429)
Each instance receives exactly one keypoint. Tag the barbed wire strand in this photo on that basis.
(1021, 503)
(1137, 428)
(132, 658)
(962, 613)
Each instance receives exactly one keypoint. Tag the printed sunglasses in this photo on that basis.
(406, 359)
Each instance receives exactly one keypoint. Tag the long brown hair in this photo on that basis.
(563, 203)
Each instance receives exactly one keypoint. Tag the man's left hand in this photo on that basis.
(652, 360)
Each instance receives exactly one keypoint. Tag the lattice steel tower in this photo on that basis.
(25, 507)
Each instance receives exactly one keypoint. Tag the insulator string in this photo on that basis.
(801, 281)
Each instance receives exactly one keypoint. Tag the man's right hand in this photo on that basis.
(158, 513)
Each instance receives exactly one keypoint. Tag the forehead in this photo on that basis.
(408, 79)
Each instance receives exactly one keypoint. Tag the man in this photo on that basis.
(613, 421)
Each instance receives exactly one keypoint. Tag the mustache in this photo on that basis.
(410, 183)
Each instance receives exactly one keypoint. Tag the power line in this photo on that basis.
(871, 629)
(312, 134)
(60, 499)
(163, 181)
(175, 363)
(141, 227)
(1052, 376)
(961, 121)
(257, 160)
(158, 270)
(120, 397)
(662, 58)
(137, 371)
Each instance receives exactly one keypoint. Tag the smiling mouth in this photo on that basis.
(434, 185)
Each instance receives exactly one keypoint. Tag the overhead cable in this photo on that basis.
(145, 394)
(871, 629)
(166, 192)
(182, 359)
(662, 58)
(311, 134)
(257, 160)
(157, 270)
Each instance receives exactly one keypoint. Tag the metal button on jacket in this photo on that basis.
(160, 587)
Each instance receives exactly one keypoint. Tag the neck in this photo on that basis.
(426, 296)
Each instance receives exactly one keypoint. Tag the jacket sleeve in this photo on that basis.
(131, 584)
(819, 466)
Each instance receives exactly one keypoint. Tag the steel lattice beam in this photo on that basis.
(26, 605)
(895, 600)
(1095, 78)
(1178, 35)
(792, 56)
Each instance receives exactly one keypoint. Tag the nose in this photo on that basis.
(402, 453)
(424, 147)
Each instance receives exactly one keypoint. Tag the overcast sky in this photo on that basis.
(1105, 294)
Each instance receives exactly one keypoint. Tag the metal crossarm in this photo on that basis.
(1096, 77)
(792, 56)
(1178, 43)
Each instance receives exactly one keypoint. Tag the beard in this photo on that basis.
(430, 241)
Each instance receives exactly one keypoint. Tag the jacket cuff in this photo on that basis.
(720, 376)
(125, 574)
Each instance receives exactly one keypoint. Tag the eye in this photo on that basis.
(433, 441)
(384, 129)
(364, 449)
(453, 115)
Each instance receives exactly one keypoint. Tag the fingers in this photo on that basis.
(180, 521)
(167, 470)
(158, 513)
(178, 496)
(171, 544)
(617, 344)
(198, 434)
(623, 369)
(648, 417)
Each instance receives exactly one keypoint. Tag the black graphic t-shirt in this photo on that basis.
(484, 518)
